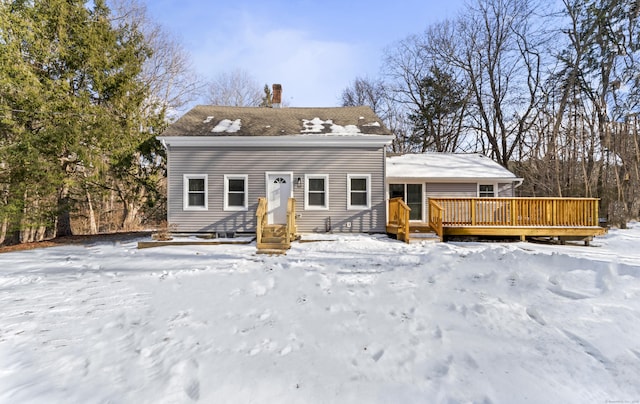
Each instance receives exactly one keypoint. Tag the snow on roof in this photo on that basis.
(317, 125)
(372, 124)
(227, 125)
(445, 166)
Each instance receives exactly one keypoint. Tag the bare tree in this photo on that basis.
(433, 95)
(502, 63)
(365, 91)
(168, 73)
(374, 94)
(236, 88)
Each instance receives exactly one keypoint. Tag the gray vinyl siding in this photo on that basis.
(506, 190)
(254, 162)
(465, 190)
(452, 190)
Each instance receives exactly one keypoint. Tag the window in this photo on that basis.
(316, 192)
(485, 191)
(195, 192)
(235, 192)
(358, 194)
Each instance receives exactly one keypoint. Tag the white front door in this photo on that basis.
(278, 193)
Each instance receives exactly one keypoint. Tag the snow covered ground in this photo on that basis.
(361, 319)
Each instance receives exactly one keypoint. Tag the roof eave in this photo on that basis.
(306, 140)
(455, 179)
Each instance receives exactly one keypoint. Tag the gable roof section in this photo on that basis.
(209, 120)
(447, 166)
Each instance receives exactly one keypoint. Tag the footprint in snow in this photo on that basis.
(437, 333)
(265, 345)
(286, 350)
(440, 368)
(184, 382)
(591, 350)
(261, 289)
(265, 315)
(535, 316)
(376, 356)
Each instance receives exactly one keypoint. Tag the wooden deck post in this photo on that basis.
(261, 218)
(472, 202)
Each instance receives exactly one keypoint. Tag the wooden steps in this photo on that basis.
(273, 240)
(418, 232)
(420, 236)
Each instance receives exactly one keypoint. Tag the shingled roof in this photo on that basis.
(210, 120)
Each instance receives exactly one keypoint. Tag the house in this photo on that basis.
(221, 160)
(416, 177)
(278, 172)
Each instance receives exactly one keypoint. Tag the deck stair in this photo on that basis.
(421, 234)
(274, 240)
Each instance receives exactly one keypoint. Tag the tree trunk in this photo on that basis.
(130, 221)
(63, 224)
(93, 226)
(3, 230)
(40, 233)
(26, 235)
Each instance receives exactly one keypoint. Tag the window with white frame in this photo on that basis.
(195, 192)
(235, 192)
(486, 191)
(316, 195)
(358, 191)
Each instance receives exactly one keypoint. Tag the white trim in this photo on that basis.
(228, 177)
(359, 140)
(367, 177)
(307, 177)
(185, 191)
(494, 185)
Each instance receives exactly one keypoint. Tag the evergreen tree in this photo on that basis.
(438, 116)
(267, 99)
(71, 106)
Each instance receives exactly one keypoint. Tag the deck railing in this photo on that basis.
(435, 218)
(291, 220)
(399, 213)
(540, 212)
(261, 218)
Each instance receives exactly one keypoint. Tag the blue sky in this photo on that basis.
(313, 48)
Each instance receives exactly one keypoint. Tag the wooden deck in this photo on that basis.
(561, 218)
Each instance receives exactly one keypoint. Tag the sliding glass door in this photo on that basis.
(412, 195)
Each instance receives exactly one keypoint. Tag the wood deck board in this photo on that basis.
(418, 227)
(150, 244)
(550, 231)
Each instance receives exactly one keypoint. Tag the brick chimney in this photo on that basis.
(276, 98)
